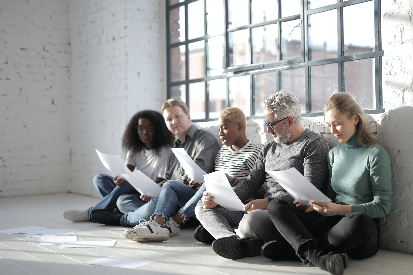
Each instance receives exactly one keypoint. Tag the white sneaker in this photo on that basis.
(172, 227)
(76, 215)
(146, 232)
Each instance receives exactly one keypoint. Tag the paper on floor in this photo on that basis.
(53, 239)
(120, 262)
(88, 244)
(46, 231)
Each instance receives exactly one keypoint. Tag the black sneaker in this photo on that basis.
(104, 216)
(236, 248)
(202, 235)
(279, 251)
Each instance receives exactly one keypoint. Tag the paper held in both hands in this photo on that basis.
(142, 183)
(298, 186)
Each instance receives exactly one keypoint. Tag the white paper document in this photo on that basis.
(74, 244)
(38, 233)
(22, 230)
(120, 262)
(142, 183)
(190, 167)
(298, 186)
(218, 185)
(113, 163)
(53, 239)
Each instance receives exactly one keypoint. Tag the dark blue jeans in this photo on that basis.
(354, 233)
(110, 193)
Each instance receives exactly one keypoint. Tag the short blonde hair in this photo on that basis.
(236, 115)
(175, 102)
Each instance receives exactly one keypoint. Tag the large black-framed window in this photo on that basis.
(224, 53)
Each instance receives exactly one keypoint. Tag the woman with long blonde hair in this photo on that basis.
(359, 189)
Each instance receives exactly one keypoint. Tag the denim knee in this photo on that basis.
(98, 179)
(277, 205)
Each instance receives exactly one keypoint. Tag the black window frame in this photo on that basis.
(278, 66)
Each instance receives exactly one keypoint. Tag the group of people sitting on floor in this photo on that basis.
(355, 175)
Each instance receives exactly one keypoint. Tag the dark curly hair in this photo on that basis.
(162, 136)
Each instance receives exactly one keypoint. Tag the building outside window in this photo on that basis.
(238, 52)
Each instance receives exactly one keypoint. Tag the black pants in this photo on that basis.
(356, 233)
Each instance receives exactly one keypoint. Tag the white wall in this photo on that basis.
(34, 95)
(73, 72)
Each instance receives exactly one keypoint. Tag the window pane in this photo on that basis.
(177, 24)
(179, 92)
(237, 13)
(172, 2)
(313, 4)
(239, 93)
(264, 44)
(291, 39)
(323, 84)
(238, 48)
(216, 58)
(197, 100)
(265, 85)
(322, 33)
(196, 19)
(290, 7)
(359, 28)
(215, 16)
(217, 96)
(177, 72)
(359, 82)
(293, 81)
(196, 60)
(263, 10)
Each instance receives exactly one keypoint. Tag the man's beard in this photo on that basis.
(285, 135)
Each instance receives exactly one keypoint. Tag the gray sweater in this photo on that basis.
(308, 154)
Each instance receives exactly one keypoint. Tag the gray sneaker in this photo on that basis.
(76, 215)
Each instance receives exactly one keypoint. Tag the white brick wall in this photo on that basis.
(73, 72)
(34, 92)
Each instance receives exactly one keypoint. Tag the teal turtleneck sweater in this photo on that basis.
(361, 177)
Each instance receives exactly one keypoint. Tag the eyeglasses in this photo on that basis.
(141, 128)
(266, 124)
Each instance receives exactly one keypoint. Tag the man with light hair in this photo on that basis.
(293, 146)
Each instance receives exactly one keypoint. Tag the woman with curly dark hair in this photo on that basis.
(147, 144)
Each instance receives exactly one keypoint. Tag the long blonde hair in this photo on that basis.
(344, 104)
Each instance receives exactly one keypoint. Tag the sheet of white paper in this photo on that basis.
(22, 230)
(298, 186)
(120, 262)
(54, 239)
(190, 167)
(113, 163)
(218, 185)
(38, 233)
(143, 184)
(88, 244)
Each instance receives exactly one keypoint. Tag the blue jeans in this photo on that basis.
(110, 193)
(174, 193)
(133, 218)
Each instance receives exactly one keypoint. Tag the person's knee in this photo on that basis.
(277, 205)
(358, 222)
(248, 225)
(123, 202)
(97, 180)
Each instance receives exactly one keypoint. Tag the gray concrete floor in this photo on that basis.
(178, 255)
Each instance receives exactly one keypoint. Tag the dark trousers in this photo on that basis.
(354, 233)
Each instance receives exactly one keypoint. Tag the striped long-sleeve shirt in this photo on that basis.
(237, 163)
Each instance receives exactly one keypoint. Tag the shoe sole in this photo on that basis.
(337, 264)
(232, 248)
(141, 238)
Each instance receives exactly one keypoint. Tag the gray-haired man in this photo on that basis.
(293, 146)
